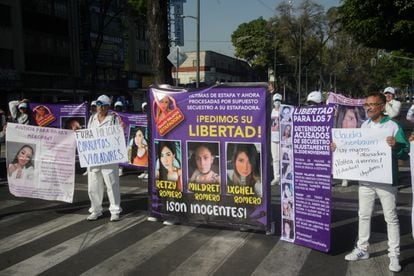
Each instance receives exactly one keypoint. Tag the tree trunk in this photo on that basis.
(158, 40)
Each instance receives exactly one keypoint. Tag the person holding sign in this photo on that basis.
(245, 168)
(108, 174)
(375, 108)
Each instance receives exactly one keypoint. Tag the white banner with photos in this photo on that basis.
(362, 154)
(40, 162)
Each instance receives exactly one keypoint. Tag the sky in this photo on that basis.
(220, 18)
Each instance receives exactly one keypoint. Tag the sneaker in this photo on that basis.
(394, 264)
(274, 182)
(145, 176)
(356, 255)
(121, 171)
(85, 173)
(344, 183)
(152, 219)
(170, 222)
(114, 217)
(94, 216)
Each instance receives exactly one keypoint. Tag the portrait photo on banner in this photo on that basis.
(244, 166)
(138, 145)
(168, 162)
(20, 162)
(73, 123)
(349, 116)
(203, 162)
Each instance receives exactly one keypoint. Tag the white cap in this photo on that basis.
(277, 97)
(118, 103)
(104, 99)
(143, 105)
(315, 96)
(389, 89)
(22, 105)
(93, 103)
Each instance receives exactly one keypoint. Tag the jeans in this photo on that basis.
(388, 197)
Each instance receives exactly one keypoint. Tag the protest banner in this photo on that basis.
(199, 144)
(306, 178)
(362, 154)
(40, 162)
(101, 146)
(67, 116)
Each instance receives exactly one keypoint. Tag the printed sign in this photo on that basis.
(40, 162)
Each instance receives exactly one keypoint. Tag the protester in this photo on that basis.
(19, 112)
(203, 157)
(392, 107)
(245, 168)
(118, 106)
(410, 114)
(314, 98)
(275, 138)
(93, 107)
(108, 174)
(22, 166)
(375, 107)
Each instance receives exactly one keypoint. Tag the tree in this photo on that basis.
(158, 40)
(381, 24)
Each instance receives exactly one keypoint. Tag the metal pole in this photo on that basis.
(178, 66)
(198, 44)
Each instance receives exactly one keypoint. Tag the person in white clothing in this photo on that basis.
(275, 137)
(410, 114)
(392, 107)
(375, 107)
(108, 174)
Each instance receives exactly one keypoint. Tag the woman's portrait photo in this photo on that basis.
(243, 166)
(203, 162)
(138, 146)
(73, 123)
(286, 132)
(286, 152)
(286, 114)
(287, 209)
(169, 161)
(22, 164)
(288, 231)
(163, 108)
(350, 116)
(287, 171)
(287, 193)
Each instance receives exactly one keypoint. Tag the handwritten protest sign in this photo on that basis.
(40, 162)
(101, 146)
(362, 154)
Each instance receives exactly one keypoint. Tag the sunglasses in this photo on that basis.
(99, 103)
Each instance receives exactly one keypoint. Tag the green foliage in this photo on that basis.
(380, 24)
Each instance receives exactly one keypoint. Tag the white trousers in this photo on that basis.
(388, 197)
(97, 176)
(274, 147)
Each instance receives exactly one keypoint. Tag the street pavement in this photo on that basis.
(39, 237)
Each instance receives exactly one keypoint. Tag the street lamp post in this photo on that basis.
(197, 18)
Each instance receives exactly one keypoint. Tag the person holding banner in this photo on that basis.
(105, 174)
(245, 168)
(22, 166)
(375, 108)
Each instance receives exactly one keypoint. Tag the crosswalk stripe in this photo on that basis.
(223, 245)
(10, 203)
(55, 255)
(285, 258)
(18, 217)
(140, 251)
(39, 231)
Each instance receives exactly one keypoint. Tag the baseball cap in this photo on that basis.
(143, 105)
(103, 100)
(315, 96)
(118, 103)
(277, 97)
(22, 105)
(93, 103)
(390, 90)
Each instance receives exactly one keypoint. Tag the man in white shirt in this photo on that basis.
(392, 107)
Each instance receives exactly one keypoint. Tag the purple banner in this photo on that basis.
(306, 188)
(209, 156)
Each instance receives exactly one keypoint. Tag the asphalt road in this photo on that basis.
(53, 238)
